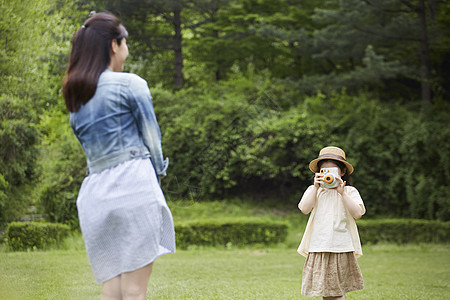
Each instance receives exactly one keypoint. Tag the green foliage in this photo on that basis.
(370, 132)
(253, 141)
(425, 163)
(18, 137)
(18, 155)
(63, 165)
(268, 85)
(33, 54)
(3, 189)
(322, 45)
(31, 235)
(200, 133)
(374, 73)
(215, 136)
(230, 232)
(393, 27)
(33, 45)
(395, 152)
(402, 231)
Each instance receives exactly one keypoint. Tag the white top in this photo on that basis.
(331, 228)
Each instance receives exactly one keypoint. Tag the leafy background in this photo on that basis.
(246, 93)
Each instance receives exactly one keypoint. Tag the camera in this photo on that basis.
(330, 176)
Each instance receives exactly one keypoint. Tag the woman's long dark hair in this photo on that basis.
(90, 56)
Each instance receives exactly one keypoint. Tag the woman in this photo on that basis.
(123, 215)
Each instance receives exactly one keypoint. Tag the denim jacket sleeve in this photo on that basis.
(142, 106)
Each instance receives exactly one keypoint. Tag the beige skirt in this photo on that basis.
(331, 274)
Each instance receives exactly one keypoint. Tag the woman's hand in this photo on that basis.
(341, 186)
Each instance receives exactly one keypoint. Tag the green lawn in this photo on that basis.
(390, 272)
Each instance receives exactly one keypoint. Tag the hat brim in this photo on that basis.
(313, 165)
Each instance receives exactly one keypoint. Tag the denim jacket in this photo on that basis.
(119, 124)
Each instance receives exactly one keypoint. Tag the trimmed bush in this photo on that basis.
(32, 235)
(401, 231)
(224, 232)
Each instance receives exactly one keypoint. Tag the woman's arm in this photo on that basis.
(148, 125)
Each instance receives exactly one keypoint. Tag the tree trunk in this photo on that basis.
(219, 62)
(424, 53)
(177, 48)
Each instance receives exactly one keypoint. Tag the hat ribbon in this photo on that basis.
(330, 155)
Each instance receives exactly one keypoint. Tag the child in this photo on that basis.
(331, 241)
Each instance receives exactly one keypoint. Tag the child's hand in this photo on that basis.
(340, 187)
(318, 180)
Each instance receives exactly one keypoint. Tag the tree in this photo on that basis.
(18, 155)
(158, 25)
(204, 30)
(63, 168)
(225, 41)
(393, 27)
(32, 48)
(290, 28)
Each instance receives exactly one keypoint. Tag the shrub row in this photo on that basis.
(32, 235)
(224, 232)
(403, 231)
(239, 232)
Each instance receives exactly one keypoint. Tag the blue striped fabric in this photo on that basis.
(124, 218)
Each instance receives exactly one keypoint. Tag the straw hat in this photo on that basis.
(333, 153)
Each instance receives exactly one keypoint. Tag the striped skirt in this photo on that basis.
(124, 218)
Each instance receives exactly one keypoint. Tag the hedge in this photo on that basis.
(401, 231)
(22, 236)
(225, 232)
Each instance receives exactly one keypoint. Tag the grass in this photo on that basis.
(390, 271)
